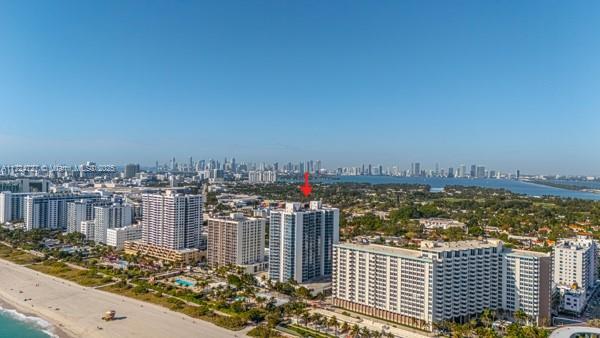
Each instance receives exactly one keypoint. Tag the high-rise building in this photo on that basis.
(480, 172)
(236, 240)
(415, 169)
(131, 170)
(301, 240)
(575, 271)
(441, 281)
(473, 172)
(172, 220)
(79, 211)
(12, 205)
(49, 211)
(107, 217)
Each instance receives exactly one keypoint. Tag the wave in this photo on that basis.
(36, 322)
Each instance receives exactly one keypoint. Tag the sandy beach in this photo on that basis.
(76, 310)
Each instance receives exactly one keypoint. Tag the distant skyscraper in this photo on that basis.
(131, 170)
(473, 172)
(415, 169)
(172, 220)
(301, 241)
(450, 172)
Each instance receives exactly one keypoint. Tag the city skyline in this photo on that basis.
(450, 82)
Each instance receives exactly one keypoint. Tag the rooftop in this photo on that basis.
(439, 246)
(382, 249)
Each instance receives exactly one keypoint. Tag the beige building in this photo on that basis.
(236, 240)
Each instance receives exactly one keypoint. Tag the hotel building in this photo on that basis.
(49, 211)
(441, 281)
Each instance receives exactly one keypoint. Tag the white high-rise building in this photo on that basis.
(88, 229)
(527, 284)
(77, 212)
(262, 176)
(236, 240)
(49, 211)
(116, 237)
(441, 281)
(12, 205)
(172, 220)
(301, 241)
(575, 271)
(107, 217)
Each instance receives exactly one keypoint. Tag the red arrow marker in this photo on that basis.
(306, 188)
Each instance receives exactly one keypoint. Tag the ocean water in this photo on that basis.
(515, 186)
(14, 324)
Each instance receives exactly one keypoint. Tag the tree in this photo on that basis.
(487, 317)
(333, 322)
(345, 327)
(355, 330)
(521, 316)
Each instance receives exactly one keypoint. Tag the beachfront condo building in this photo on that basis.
(301, 239)
(49, 210)
(236, 240)
(441, 281)
(107, 217)
(172, 220)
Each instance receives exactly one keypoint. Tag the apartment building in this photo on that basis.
(116, 237)
(110, 216)
(441, 281)
(575, 262)
(172, 220)
(236, 240)
(49, 211)
(301, 239)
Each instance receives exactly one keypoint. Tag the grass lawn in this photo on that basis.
(17, 256)
(306, 332)
(199, 312)
(61, 270)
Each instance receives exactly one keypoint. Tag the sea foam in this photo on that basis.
(36, 322)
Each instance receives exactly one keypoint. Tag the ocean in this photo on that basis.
(436, 183)
(14, 324)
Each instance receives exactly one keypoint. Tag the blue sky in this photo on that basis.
(508, 84)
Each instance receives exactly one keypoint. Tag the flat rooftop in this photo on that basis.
(527, 253)
(383, 249)
(460, 245)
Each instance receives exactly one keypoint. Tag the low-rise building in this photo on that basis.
(116, 237)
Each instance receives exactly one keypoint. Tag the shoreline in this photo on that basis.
(53, 329)
(75, 311)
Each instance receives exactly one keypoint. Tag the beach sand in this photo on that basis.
(76, 311)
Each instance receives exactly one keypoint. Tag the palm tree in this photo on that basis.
(316, 318)
(305, 317)
(333, 322)
(345, 327)
(520, 316)
(487, 317)
(365, 332)
(355, 330)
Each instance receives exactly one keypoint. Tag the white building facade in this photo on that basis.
(442, 281)
(301, 241)
(172, 220)
(116, 237)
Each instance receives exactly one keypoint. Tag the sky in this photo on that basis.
(506, 84)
